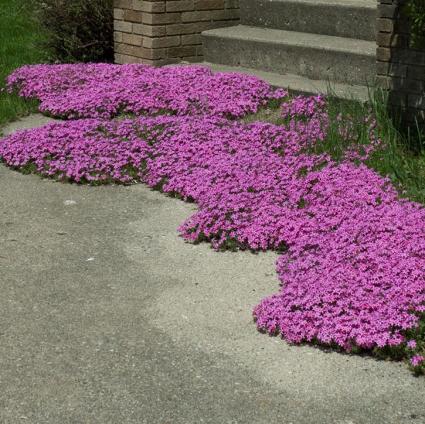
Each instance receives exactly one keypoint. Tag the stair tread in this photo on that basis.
(294, 38)
(298, 83)
(370, 4)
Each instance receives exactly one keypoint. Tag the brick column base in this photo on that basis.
(160, 32)
(400, 69)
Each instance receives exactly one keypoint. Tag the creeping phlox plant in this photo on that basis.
(104, 91)
(352, 252)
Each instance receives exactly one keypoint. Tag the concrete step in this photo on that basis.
(317, 57)
(342, 18)
(300, 85)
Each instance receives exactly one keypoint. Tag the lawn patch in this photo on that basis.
(20, 36)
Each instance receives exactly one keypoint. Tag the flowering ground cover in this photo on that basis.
(104, 90)
(352, 252)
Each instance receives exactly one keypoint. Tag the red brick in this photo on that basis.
(119, 14)
(160, 42)
(181, 51)
(180, 5)
(149, 6)
(123, 26)
(133, 16)
(209, 4)
(191, 39)
(385, 25)
(149, 30)
(123, 4)
(133, 39)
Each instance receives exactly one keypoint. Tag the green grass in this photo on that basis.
(401, 156)
(20, 39)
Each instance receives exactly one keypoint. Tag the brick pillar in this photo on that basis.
(161, 31)
(400, 69)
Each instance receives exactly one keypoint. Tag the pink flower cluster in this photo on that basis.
(353, 272)
(417, 360)
(79, 151)
(352, 267)
(104, 90)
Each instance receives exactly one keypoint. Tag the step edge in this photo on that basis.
(351, 5)
(369, 47)
(299, 83)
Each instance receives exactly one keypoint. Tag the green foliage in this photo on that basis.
(415, 10)
(402, 156)
(20, 34)
(78, 30)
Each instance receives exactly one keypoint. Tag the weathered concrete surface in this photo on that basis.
(31, 121)
(107, 316)
(297, 84)
(341, 18)
(315, 56)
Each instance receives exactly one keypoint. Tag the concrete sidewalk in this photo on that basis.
(107, 316)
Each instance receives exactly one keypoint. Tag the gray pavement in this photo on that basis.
(107, 316)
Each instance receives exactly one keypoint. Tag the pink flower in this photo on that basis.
(417, 360)
(411, 344)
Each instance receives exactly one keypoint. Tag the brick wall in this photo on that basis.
(166, 31)
(400, 69)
